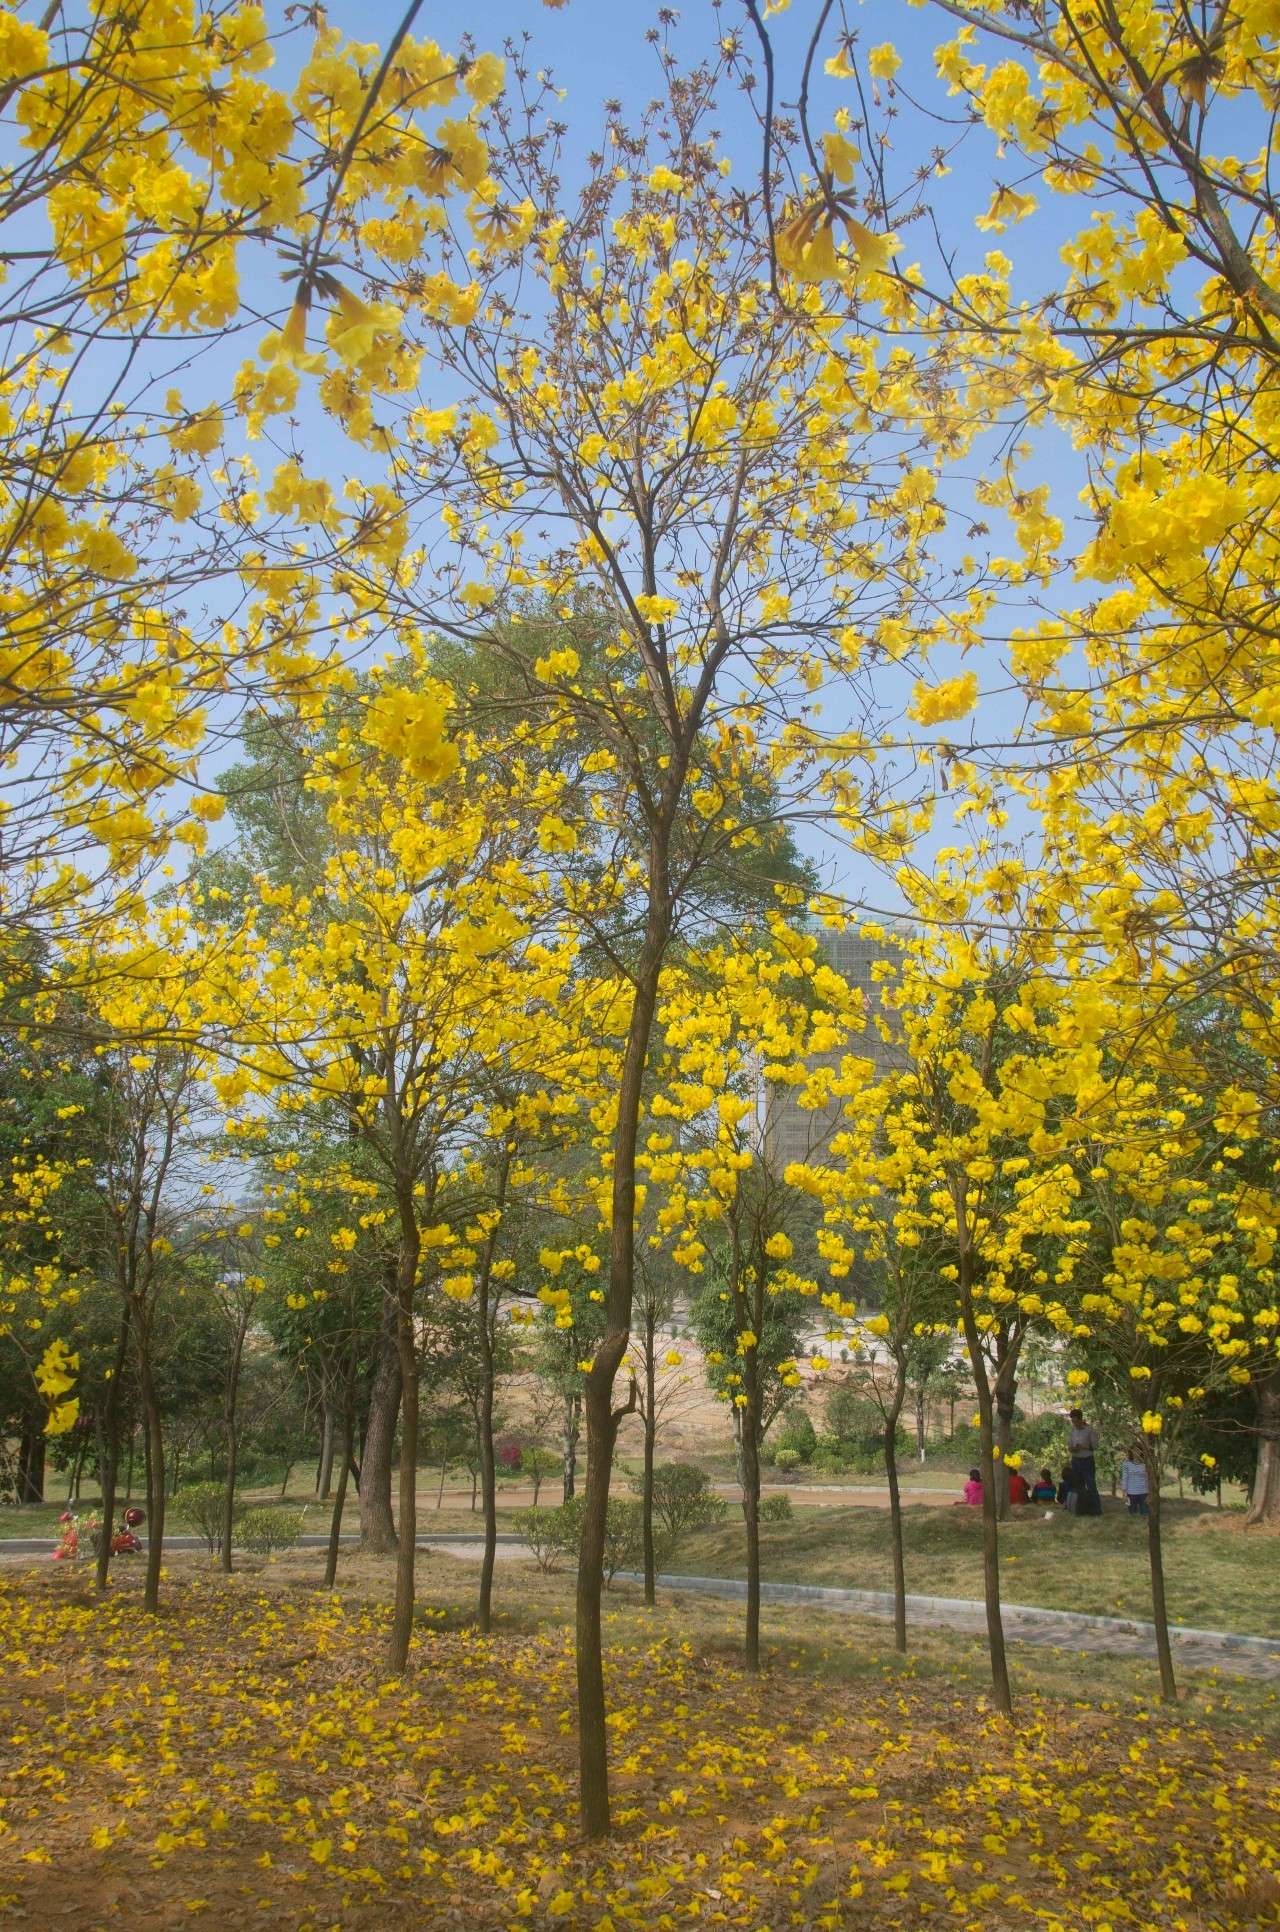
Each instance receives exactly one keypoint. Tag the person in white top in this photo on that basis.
(1082, 1442)
(1134, 1481)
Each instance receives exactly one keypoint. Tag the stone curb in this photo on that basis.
(880, 1603)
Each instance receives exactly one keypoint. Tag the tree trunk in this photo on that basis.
(1159, 1608)
(31, 1459)
(920, 1423)
(77, 1468)
(990, 1521)
(154, 1439)
(602, 1422)
(444, 1470)
(1264, 1503)
(109, 1449)
(324, 1467)
(340, 1500)
(231, 1431)
(377, 1525)
(284, 1480)
(751, 1506)
(895, 1506)
(1005, 1386)
(406, 1344)
(484, 1421)
(572, 1426)
(650, 1440)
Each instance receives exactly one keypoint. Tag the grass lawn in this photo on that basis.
(245, 1759)
(1219, 1575)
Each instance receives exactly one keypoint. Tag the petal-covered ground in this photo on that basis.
(246, 1758)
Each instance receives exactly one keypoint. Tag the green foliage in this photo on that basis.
(854, 1439)
(201, 1506)
(544, 1531)
(787, 1460)
(797, 1432)
(553, 1535)
(262, 1531)
(683, 1499)
(776, 1509)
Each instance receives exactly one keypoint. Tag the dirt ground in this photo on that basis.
(246, 1759)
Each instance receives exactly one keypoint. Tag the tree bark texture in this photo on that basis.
(377, 1525)
(602, 1422)
(109, 1449)
(1001, 1690)
(232, 1433)
(154, 1438)
(406, 1343)
(650, 1441)
(892, 1413)
(1264, 1503)
(1159, 1607)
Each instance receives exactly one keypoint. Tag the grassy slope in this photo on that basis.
(1219, 1576)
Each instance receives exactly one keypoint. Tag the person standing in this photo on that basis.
(1082, 1444)
(1134, 1481)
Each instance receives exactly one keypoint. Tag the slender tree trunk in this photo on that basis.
(892, 1413)
(155, 1473)
(109, 1449)
(340, 1499)
(990, 1521)
(324, 1467)
(1159, 1607)
(572, 1425)
(406, 1343)
(650, 1440)
(751, 1508)
(920, 1423)
(77, 1468)
(475, 1486)
(31, 1460)
(377, 1525)
(284, 1480)
(488, 1462)
(444, 1466)
(1264, 1502)
(230, 1422)
(1005, 1386)
(602, 1422)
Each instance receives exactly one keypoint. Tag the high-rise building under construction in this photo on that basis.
(795, 1133)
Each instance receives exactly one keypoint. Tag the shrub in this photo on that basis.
(510, 1454)
(787, 1460)
(547, 1534)
(798, 1433)
(554, 1534)
(682, 1499)
(776, 1509)
(768, 1453)
(201, 1505)
(262, 1531)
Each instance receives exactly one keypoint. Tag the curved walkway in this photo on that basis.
(1223, 1650)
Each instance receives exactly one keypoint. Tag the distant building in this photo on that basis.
(795, 1133)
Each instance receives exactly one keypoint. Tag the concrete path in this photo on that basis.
(1223, 1650)
(1023, 1623)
